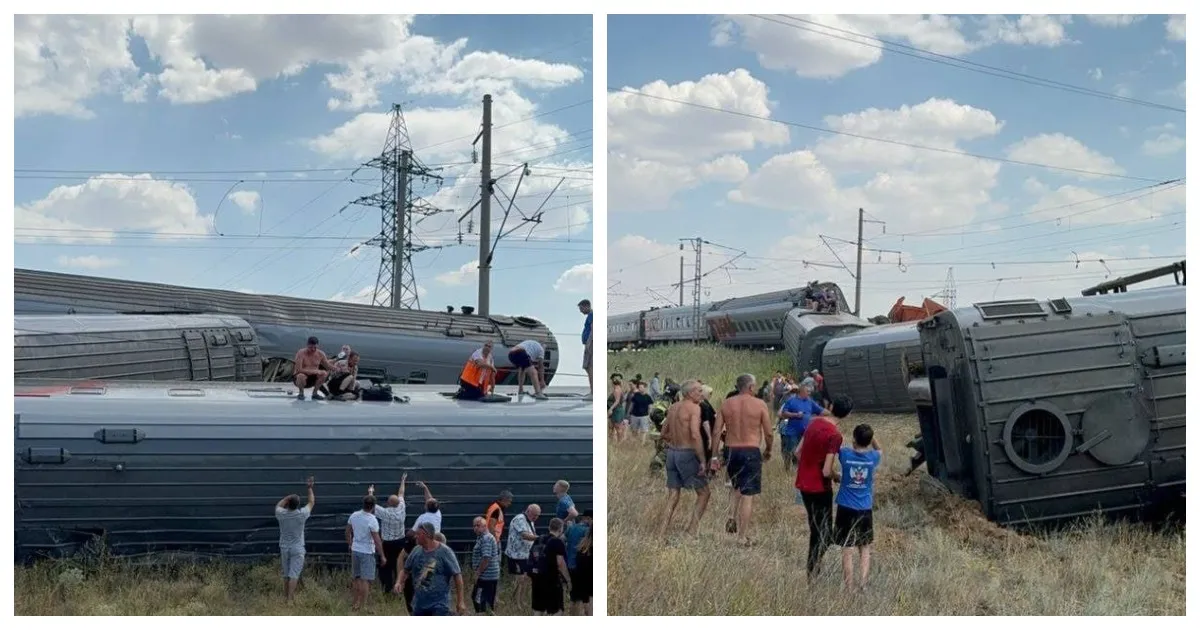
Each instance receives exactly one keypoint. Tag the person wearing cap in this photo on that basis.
(311, 369)
(432, 567)
(585, 307)
(581, 584)
(495, 514)
(529, 357)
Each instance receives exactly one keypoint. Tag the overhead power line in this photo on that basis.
(910, 145)
(955, 62)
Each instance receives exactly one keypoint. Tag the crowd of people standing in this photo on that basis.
(418, 564)
(699, 438)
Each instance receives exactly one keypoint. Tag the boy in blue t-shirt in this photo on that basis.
(853, 526)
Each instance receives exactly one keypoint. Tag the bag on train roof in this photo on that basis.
(378, 393)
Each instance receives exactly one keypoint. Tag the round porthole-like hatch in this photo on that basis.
(528, 322)
(1113, 431)
(1037, 438)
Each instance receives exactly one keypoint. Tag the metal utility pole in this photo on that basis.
(396, 284)
(681, 275)
(485, 208)
(858, 267)
(698, 324)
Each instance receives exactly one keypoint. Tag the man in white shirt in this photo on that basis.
(362, 536)
(521, 535)
(433, 510)
(529, 357)
(391, 531)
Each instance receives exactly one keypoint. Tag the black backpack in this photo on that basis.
(378, 393)
(537, 556)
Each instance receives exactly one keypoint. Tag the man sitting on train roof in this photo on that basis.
(343, 382)
(478, 376)
(312, 368)
(528, 357)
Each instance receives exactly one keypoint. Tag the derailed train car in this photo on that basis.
(398, 346)
(136, 347)
(805, 335)
(198, 468)
(872, 366)
(1048, 410)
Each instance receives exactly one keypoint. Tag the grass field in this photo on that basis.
(112, 587)
(934, 554)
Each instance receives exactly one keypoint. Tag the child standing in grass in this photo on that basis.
(853, 527)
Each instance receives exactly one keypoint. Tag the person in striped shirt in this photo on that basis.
(485, 560)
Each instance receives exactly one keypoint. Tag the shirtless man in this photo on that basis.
(685, 456)
(312, 368)
(743, 424)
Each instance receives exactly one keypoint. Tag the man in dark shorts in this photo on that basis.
(311, 367)
(581, 577)
(815, 474)
(434, 572)
(685, 457)
(853, 528)
(343, 381)
(745, 423)
(548, 564)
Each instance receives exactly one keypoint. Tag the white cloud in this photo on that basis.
(94, 210)
(655, 151)
(1027, 30)
(1090, 207)
(577, 279)
(1062, 150)
(437, 133)
(830, 46)
(1177, 28)
(1096, 74)
(1164, 144)
(465, 274)
(1114, 20)
(63, 61)
(91, 262)
(361, 296)
(247, 200)
(909, 188)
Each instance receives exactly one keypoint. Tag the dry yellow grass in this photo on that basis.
(114, 587)
(934, 554)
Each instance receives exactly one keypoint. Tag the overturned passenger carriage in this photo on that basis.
(398, 346)
(136, 347)
(1048, 410)
(872, 366)
(199, 467)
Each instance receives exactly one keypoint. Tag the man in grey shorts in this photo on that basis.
(291, 519)
(362, 536)
(685, 456)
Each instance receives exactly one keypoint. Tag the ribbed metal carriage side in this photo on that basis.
(868, 366)
(203, 472)
(435, 344)
(136, 347)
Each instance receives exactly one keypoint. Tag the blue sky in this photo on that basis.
(1007, 230)
(131, 134)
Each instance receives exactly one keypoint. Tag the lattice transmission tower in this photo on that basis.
(396, 284)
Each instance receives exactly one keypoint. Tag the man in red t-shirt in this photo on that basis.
(815, 475)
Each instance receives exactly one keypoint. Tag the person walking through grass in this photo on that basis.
(815, 475)
(685, 457)
(745, 422)
(432, 568)
(853, 527)
(485, 561)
